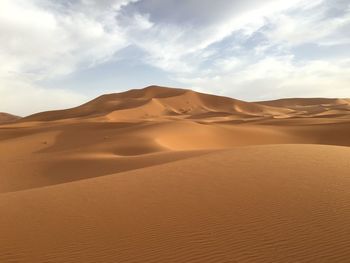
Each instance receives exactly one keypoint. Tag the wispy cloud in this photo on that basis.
(250, 53)
(43, 40)
(250, 49)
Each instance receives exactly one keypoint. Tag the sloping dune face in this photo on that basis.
(172, 175)
(251, 204)
(6, 118)
(310, 107)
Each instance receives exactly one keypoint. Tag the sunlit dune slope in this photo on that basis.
(173, 175)
(157, 101)
(287, 203)
(63, 152)
(313, 107)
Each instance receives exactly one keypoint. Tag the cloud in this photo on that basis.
(277, 77)
(46, 39)
(22, 97)
(181, 32)
(311, 23)
(247, 49)
(253, 49)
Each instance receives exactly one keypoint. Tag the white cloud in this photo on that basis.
(20, 96)
(309, 25)
(49, 42)
(239, 47)
(43, 40)
(180, 47)
(268, 68)
(277, 77)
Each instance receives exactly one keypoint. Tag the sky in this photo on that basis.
(57, 54)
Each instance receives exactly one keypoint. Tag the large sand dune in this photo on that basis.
(172, 175)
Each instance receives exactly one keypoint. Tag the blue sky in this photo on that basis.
(59, 54)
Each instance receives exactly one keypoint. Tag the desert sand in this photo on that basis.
(172, 175)
(6, 117)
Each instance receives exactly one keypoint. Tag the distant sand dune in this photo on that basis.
(6, 118)
(172, 175)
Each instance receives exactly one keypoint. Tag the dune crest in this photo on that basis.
(155, 101)
(6, 117)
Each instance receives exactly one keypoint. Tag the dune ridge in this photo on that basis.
(6, 117)
(173, 175)
(155, 101)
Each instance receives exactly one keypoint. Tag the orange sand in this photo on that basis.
(171, 175)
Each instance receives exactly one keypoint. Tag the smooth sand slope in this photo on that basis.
(6, 118)
(250, 204)
(171, 175)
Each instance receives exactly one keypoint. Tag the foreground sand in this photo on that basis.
(223, 181)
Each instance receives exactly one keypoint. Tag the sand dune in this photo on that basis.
(6, 117)
(157, 101)
(287, 203)
(313, 107)
(154, 103)
(172, 175)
